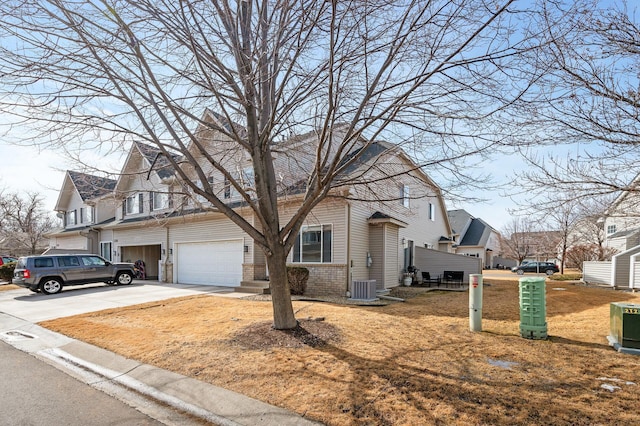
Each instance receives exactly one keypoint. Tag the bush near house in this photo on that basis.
(6, 271)
(298, 277)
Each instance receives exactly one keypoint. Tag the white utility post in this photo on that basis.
(475, 302)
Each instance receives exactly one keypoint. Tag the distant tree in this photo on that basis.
(517, 243)
(24, 223)
(578, 254)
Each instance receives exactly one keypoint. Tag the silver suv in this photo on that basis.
(48, 274)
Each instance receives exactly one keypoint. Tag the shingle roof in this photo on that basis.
(155, 157)
(90, 186)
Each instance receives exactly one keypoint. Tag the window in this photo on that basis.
(313, 244)
(432, 211)
(133, 204)
(68, 261)
(611, 229)
(105, 249)
(86, 214)
(405, 195)
(159, 200)
(71, 217)
(43, 262)
(92, 261)
(248, 179)
(227, 188)
(245, 178)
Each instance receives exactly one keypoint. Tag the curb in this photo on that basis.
(98, 368)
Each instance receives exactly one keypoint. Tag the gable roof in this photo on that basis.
(88, 187)
(157, 160)
(473, 231)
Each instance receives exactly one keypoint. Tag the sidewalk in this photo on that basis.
(92, 365)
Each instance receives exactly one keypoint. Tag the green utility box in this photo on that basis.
(625, 324)
(533, 308)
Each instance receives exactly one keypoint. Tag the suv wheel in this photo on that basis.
(51, 286)
(549, 271)
(520, 272)
(124, 278)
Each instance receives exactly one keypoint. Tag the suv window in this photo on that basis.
(68, 261)
(43, 262)
(92, 261)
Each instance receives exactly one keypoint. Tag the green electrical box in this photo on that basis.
(533, 308)
(625, 324)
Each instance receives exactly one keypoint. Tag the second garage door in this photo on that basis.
(212, 263)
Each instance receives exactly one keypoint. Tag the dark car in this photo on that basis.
(49, 273)
(548, 268)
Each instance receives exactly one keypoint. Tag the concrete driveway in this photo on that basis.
(36, 307)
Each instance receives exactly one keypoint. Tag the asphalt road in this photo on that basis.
(34, 393)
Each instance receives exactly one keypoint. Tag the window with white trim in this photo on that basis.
(314, 244)
(159, 200)
(405, 195)
(432, 211)
(611, 229)
(133, 204)
(71, 217)
(245, 178)
(105, 249)
(86, 214)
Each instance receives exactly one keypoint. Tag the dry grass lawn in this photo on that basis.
(403, 364)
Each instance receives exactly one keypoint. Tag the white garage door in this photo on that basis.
(213, 263)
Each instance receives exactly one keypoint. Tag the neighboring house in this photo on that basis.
(85, 203)
(622, 221)
(622, 236)
(473, 237)
(348, 236)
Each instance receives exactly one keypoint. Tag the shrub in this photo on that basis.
(6, 271)
(297, 277)
(566, 277)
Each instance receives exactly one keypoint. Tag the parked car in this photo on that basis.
(7, 259)
(48, 274)
(548, 268)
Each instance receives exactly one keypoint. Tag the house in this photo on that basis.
(622, 221)
(474, 237)
(85, 204)
(621, 224)
(362, 232)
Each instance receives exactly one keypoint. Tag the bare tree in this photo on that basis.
(587, 95)
(516, 242)
(429, 76)
(24, 223)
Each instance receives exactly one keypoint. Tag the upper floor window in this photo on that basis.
(432, 211)
(86, 214)
(314, 244)
(133, 204)
(71, 217)
(405, 195)
(159, 200)
(611, 229)
(245, 178)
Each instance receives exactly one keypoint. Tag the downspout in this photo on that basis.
(349, 261)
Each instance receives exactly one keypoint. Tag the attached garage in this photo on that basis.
(210, 263)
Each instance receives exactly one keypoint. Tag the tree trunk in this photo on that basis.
(283, 316)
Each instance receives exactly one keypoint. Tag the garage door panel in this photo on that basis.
(211, 263)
